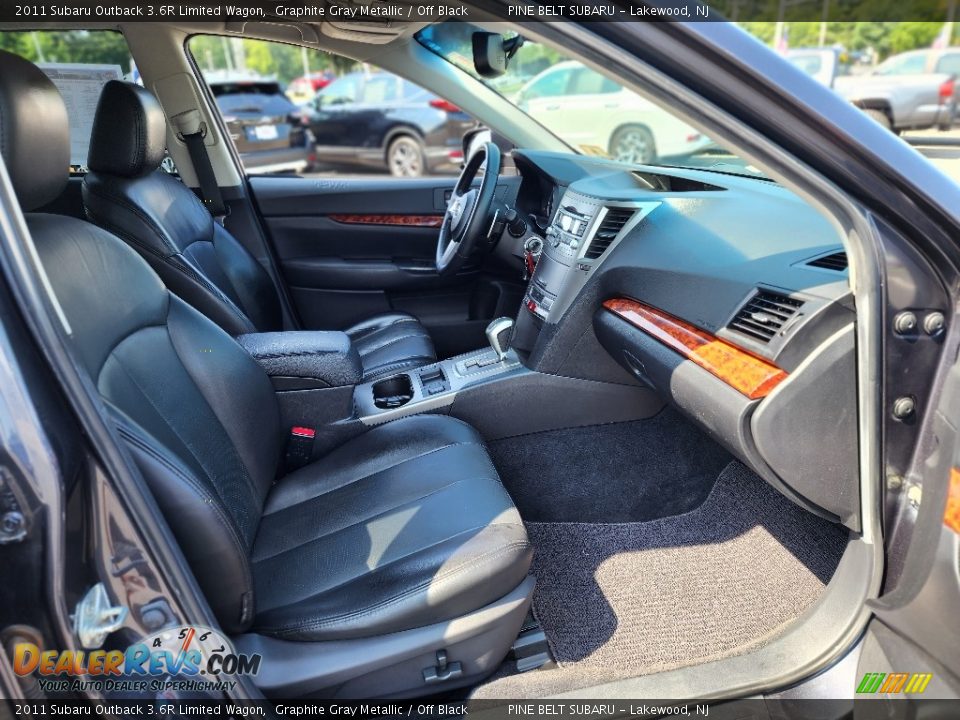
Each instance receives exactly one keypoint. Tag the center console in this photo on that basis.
(318, 375)
(436, 386)
(583, 230)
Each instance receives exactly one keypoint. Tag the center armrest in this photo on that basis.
(319, 357)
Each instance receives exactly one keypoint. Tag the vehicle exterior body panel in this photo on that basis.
(360, 118)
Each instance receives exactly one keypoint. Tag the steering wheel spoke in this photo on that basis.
(465, 221)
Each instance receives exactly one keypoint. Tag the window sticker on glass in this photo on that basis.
(80, 84)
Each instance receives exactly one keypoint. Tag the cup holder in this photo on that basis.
(392, 392)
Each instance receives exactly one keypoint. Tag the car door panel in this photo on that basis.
(350, 248)
(925, 546)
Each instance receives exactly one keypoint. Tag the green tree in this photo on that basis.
(912, 35)
(70, 46)
(284, 62)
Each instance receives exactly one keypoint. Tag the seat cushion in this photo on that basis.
(405, 526)
(391, 343)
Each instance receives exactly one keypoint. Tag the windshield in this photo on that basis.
(592, 113)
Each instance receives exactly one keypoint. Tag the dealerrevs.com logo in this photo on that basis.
(892, 683)
(188, 658)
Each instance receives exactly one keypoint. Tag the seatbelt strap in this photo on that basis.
(193, 131)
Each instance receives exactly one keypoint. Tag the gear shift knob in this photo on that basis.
(499, 333)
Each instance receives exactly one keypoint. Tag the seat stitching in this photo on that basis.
(201, 491)
(372, 474)
(359, 521)
(293, 353)
(431, 546)
(363, 332)
(473, 562)
(168, 259)
(394, 341)
(399, 365)
(338, 586)
(248, 481)
(120, 200)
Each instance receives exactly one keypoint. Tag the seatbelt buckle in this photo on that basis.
(299, 447)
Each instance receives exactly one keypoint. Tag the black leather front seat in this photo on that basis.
(126, 193)
(403, 527)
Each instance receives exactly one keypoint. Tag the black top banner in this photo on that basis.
(393, 11)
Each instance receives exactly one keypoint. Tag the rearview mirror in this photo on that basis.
(492, 53)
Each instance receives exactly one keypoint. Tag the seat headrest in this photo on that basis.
(34, 132)
(129, 131)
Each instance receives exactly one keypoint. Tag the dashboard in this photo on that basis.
(727, 295)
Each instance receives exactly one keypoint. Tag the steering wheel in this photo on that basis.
(467, 218)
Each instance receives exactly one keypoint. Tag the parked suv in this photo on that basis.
(381, 120)
(591, 111)
(268, 129)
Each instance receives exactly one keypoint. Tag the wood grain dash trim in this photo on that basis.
(951, 516)
(746, 373)
(429, 221)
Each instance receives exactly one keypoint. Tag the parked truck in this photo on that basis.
(914, 90)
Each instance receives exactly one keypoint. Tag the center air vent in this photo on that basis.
(764, 314)
(613, 222)
(836, 261)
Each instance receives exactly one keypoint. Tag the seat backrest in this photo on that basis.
(126, 193)
(198, 414)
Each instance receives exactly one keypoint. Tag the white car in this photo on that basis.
(589, 111)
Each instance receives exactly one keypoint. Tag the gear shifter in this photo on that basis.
(499, 334)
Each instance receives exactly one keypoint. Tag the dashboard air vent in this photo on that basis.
(764, 314)
(613, 222)
(837, 261)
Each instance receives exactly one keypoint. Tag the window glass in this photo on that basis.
(587, 82)
(552, 83)
(853, 59)
(341, 91)
(811, 64)
(413, 92)
(80, 63)
(291, 110)
(949, 64)
(577, 104)
(380, 88)
(254, 97)
(907, 64)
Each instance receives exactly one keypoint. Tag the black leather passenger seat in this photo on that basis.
(404, 526)
(352, 574)
(127, 193)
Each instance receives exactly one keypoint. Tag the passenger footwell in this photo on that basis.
(627, 599)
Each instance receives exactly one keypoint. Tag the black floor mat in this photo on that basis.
(628, 599)
(623, 472)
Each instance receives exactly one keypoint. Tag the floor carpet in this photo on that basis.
(622, 472)
(627, 599)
